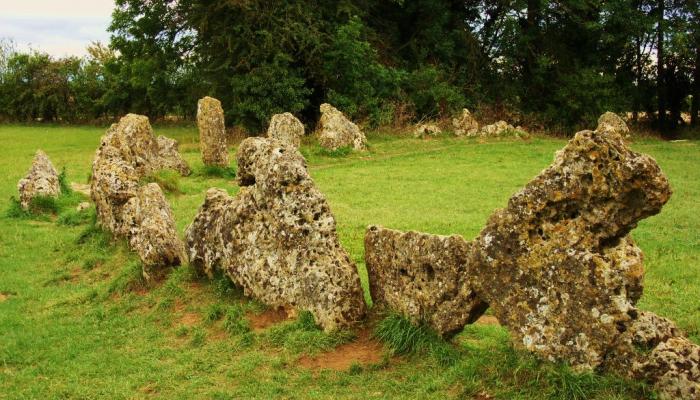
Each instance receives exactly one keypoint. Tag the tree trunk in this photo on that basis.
(660, 73)
(696, 90)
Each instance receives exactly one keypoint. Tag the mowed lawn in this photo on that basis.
(76, 323)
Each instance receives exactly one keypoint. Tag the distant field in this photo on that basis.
(76, 323)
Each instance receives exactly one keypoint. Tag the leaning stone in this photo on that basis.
(556, 266)
(169, 157)
(212, 133)
(422, 276)
(277, 237)
(336, 131)
(286, 128)
(465, 124)
(611, 122)
(151, 230)
(427, 129)
(40, 181)
(127, 153)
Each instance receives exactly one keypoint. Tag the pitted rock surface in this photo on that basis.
(41, 180)
(277, 237)
(150, 227)
(286, 128)
(212, 132)
(500, 128)
(654, 349)
(427, 129)
(336, 131)
(556, 266)
(611, 122)
(422, 276)
(169, 157)
(465, 125)
(128, 152)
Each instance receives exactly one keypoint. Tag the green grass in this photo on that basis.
(78, 321)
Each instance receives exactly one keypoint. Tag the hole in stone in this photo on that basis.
(403, 272)
(429, 272)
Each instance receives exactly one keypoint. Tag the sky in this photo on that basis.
(57, 27)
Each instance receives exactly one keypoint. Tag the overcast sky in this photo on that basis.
(58, 27)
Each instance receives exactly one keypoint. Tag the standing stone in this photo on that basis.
(286, 128)
(556, 266)
(465, 124)
(423, 277)
(611, 122)
(212, 133)
(427, 129)
(127, 153)
(169, 157)
(336, 131)
(41, 180)
(277, 237)
(150, 228)
(499, 128)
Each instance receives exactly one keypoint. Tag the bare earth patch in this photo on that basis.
(272, 316)
(4, 297)
(365, 350)
(487, 320)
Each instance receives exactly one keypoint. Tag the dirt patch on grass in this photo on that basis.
(365, 350)
(4, 296)
(487, 320)
(272, 316)
(189, 319)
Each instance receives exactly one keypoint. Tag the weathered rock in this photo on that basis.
(500, 128)
(611, 122)
(336, 131)
(654, 349)
(169, 157)
(286, 128)
(557, 266)
(427, 129)
(277, 237)
(128, 152)
(212, 132)
(465, 125)
(150, 228)
(40, 181)
(422, 276)
(674, 369)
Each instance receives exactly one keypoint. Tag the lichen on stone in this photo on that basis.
(423, 277)
(336, 131)
(212, 132)
(41, 180)
(286, 128)
(465, 124)
(277, 237)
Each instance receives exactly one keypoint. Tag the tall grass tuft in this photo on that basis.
(403, 337)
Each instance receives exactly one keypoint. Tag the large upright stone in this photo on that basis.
(556, 266)
(423, 277)
(277, 237)
(212, 133)
(465, 124)
(336, 131)
(40, 181)
(127, 153)
(286, 128)
(149, 225)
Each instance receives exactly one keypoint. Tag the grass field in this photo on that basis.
(75, 321)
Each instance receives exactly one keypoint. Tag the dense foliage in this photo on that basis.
(556, 64)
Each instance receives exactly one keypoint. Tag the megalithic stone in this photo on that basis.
(277, 237)
(556, 265)
(212, 132)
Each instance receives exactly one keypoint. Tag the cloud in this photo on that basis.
(53, 27)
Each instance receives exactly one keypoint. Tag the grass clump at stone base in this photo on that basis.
(169, 181)
(337, 153)
(404, 338)
(213, 171)
(304, 336)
